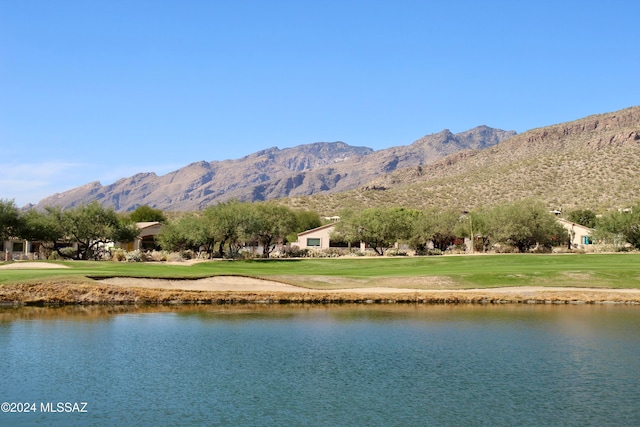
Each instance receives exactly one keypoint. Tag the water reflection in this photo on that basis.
(573, 320)
(347, 365)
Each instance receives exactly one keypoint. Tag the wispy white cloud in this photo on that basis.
(30, 182)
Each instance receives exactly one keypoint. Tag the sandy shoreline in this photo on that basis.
(242, 290)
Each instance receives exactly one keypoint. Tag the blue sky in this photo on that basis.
(100, 90)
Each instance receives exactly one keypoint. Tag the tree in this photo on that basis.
(44, 227)
(620, 226)
(525, 224)
(474, 225)
(379, 228)
(146, 213)
(186, 233)
(10, 220)
(91, 227)
(269, 223)
(171, 237)
(228, 222)
(444, 228)
(305, 220)
(584, 217)
(439, 228)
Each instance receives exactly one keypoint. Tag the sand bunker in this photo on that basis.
(30, 265)
(218, 283)
(248, 284)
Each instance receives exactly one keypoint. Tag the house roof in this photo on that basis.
(574, 224)
(313, 230)
(143, 225)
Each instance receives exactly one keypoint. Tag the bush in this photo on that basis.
(135, 256)
(157, 256)
(542, 250)
(335, 252)
(460, 247)
(294, 252)
(327, 253)
(68, 252)
(174, 257)
(118, 254)
(505, 249)
(395, 252)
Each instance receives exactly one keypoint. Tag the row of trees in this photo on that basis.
(90, 227)
(619, 227)
(522, 224)
(223, 229)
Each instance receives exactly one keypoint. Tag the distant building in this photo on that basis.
(146, 240)
(18, 249)
(316, 238)
(580, 236)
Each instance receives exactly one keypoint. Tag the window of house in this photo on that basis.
(148, 243)
(586, 240)
(313, 241)
(18, 247)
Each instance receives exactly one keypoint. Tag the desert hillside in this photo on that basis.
(593, 162)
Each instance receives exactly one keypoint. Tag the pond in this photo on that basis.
(321, 365)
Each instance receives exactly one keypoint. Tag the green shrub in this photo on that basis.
(68, 252)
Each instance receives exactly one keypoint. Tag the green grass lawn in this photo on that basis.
(596, 270)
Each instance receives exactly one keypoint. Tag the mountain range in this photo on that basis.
(593, 163)
(273, 173)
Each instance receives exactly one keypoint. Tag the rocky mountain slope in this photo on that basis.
(592, 163)
(273, 173)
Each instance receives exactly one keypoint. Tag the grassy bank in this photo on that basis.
(448, 272)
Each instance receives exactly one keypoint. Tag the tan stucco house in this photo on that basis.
(146, 238)
(580, 236)
(316, 238)
(18, 249)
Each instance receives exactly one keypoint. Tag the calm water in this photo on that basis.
(323, 366)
